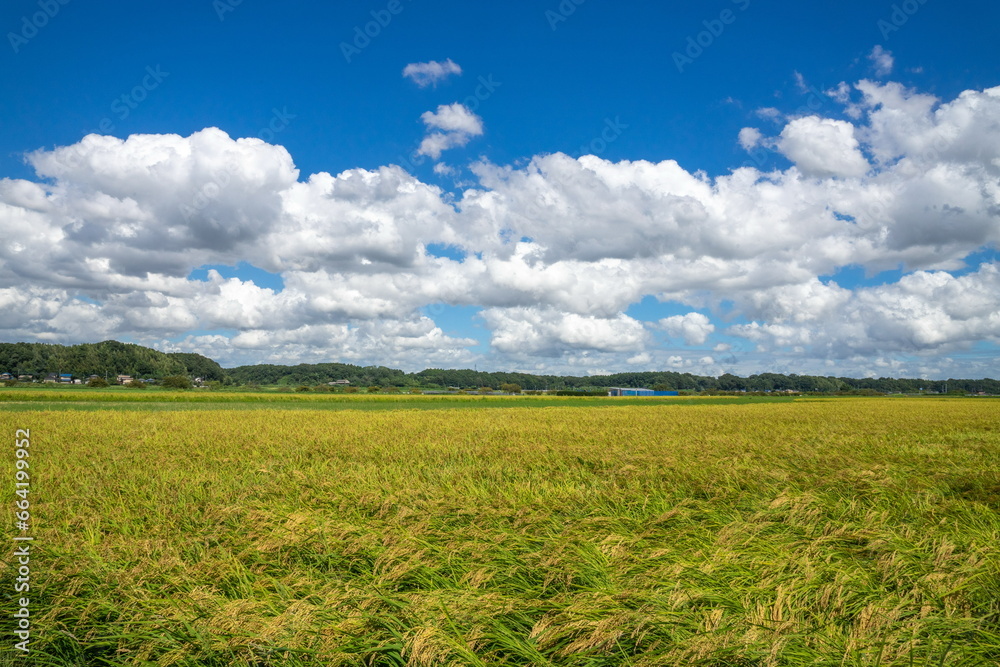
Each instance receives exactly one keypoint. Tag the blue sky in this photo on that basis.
(859, 238)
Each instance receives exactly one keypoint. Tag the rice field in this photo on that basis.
(809, 532)
(157, 399)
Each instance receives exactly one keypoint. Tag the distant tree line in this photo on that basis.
(668, 380)
(313, 374)
(365, 376)
(104, 359)
(112, 357)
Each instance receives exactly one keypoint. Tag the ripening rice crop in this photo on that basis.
(819, 532)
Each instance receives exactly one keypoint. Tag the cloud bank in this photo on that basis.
(556, 254)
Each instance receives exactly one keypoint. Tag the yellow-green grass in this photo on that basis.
(161, 399)
(845, 532)
(156, 395)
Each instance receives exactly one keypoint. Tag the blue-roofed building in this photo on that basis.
(638, 391)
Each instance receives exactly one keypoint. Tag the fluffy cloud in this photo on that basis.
(411, 345)
(358, 220)
(554, 251)
(882, 60)
(430, 73)
(823, 147)
(457, 124)
(924, 312)
(749, 138)
(918, 128)
(453, 118)
(694, 328)
(151, 203)
(543, 332)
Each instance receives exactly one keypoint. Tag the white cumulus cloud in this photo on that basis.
(750, 137)
(454, 123)
(694, 328)
(823, 147)
(431, 73)
(882, 60)
(534, 331)
(554, 250)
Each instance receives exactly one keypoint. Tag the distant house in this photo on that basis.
(123, 379)
(51, 377)
(25, 378)
(66, 378)
(6, 376)
(339, 382)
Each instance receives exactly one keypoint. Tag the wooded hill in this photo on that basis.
(104, 359)
(311, 374)
(112, 357)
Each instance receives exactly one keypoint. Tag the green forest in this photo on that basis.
(110, 358)
(105, 359)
